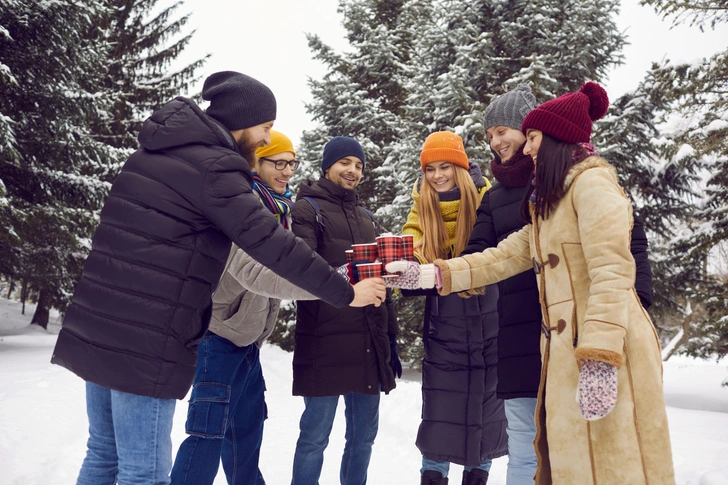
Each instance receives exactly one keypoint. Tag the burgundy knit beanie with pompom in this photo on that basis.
(569, 117)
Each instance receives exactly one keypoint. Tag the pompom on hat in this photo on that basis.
(569, 117)
(279, 143)
(238, 101)
(444, 146)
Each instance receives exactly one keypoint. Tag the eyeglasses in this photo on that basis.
(282, 164)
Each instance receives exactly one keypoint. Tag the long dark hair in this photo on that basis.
(555, 159)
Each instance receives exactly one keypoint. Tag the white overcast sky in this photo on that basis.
(266, 40)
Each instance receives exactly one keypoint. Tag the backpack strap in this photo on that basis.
(320, 221)
(377, 228)
(317, 209)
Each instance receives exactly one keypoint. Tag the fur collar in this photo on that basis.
(586, 164)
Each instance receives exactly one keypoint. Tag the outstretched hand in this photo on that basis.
(412, 275)
(370, 291)
(350, 271)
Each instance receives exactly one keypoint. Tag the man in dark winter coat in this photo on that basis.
(519, 310)
(339, 351)
(144, 300)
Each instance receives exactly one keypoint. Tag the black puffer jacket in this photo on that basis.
(144, 300)
(463, 421)
(338, 350)
(519, 310)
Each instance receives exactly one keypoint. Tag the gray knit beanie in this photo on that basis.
(238, 101)
(509, 109)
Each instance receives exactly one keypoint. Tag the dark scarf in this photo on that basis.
(516, 172)
(279, 205)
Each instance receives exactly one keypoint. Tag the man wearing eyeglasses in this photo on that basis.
(144, 300)
(339, 352)
(227, 407)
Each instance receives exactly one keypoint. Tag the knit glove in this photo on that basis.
(350, 272)
(394, 361)
(412, 275)
(597, 391)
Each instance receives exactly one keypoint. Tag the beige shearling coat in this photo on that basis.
(586, 277)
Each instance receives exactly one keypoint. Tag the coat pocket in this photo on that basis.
(563, 323)
(579, 282)
(248, 308)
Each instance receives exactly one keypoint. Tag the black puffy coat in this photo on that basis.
(338, 350)
(144, 300)
(463, 421)
(519, 310)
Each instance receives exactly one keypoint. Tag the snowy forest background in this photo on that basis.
(78, 78)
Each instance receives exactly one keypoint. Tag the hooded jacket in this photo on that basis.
(519, 311)
(338, 350)
(144, 299)
(591, 310)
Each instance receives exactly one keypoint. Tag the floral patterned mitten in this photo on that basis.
(597, 391)
(412, 276)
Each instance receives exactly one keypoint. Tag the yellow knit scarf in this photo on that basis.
(448, 209)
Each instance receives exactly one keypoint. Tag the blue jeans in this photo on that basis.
(521, 433)
(362, 423)
(129, 438)
(444, 466)
(225, 416)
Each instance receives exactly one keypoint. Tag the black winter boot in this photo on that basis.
(476, 477)
(430, 477)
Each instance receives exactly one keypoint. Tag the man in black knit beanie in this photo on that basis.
(144, 300)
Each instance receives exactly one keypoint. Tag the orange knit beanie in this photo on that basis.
(444, 146)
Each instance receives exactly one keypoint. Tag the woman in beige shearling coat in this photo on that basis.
(591, 311)
(601, 414)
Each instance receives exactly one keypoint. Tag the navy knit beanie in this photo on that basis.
(339, 147)
(238, 101)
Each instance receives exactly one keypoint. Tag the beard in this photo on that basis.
(248, 147)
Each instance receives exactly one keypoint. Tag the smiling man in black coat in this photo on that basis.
(144, 300)
(339, 351)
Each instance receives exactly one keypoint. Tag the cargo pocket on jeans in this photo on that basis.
(208, 411)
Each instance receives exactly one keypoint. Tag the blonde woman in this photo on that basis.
(462, 421)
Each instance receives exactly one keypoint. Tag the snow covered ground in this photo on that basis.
(43, 427)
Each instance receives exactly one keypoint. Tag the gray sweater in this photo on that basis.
(246, 302)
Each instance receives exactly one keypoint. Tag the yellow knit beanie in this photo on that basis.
(444, 146)
(279, 143)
